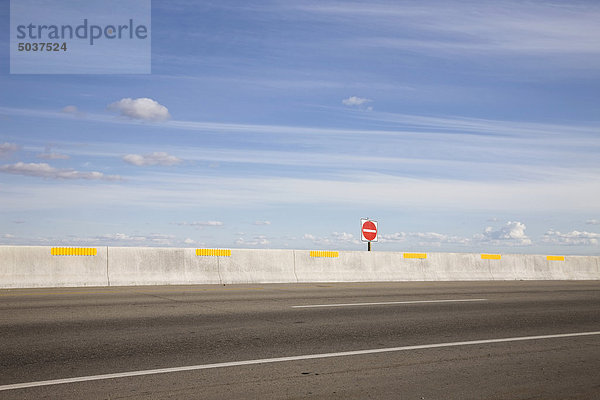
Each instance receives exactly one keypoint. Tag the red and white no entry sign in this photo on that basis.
(368, 230)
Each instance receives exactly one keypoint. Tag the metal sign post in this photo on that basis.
(368, 231)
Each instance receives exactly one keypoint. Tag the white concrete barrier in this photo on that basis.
(31, 266)
(35, 266)
(459, 267)
(359, 266)
(526, 267)
(257, 266)
(131, 266)
(580, 268)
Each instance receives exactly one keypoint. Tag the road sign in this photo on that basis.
(368, 230)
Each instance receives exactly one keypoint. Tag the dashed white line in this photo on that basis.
(284, 359)
(389, 302)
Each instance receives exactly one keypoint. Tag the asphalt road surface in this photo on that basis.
(444, 340)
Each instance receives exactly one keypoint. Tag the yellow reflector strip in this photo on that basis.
(213, 252)
(73, 251)
(329, 254)
(415, 255)
(491, 256)
(555, 258)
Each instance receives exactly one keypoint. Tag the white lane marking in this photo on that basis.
(389, 302)
(284, 359)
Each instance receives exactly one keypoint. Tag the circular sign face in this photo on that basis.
(369, 230)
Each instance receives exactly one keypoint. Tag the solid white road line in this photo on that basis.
(283, 359)
(389, 302)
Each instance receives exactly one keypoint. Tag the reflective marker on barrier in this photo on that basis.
(491, 256)
(555, 258)
(213, 252)
(327, 254)
(415, 255)
(73, 251)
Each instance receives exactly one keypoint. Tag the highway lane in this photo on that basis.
(61, 333)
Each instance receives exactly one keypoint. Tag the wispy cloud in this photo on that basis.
(260, 240)
(73, 110)
(432, 127)
(335, 238)
(119, 239)
(574, 238)
(262, 223)
(593, 222)
(182, 191)
(44, 170)
(511, 234)
(190, 241)
(200, 223)
(157, 158)
(530, 28)
(424, 238)
(8, 148)
(48, 154)
(53, 156)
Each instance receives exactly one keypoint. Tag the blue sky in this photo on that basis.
(462, 126)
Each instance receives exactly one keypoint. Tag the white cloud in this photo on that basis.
(8, 236)
(592, 222)
(141, 108)
(260, 240)
(512, 234)
(336, 238)
(354, 101)
(574, 238)
(156, 158)
(53, 156)
(190, 241)
(344, 237)
(437, 239)
(124, 238)
(200, 223)
(48, 154)
(44, 170)
(393, 237)
(70, 110)
(262, 223)
(423, 238)
(8, 148)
